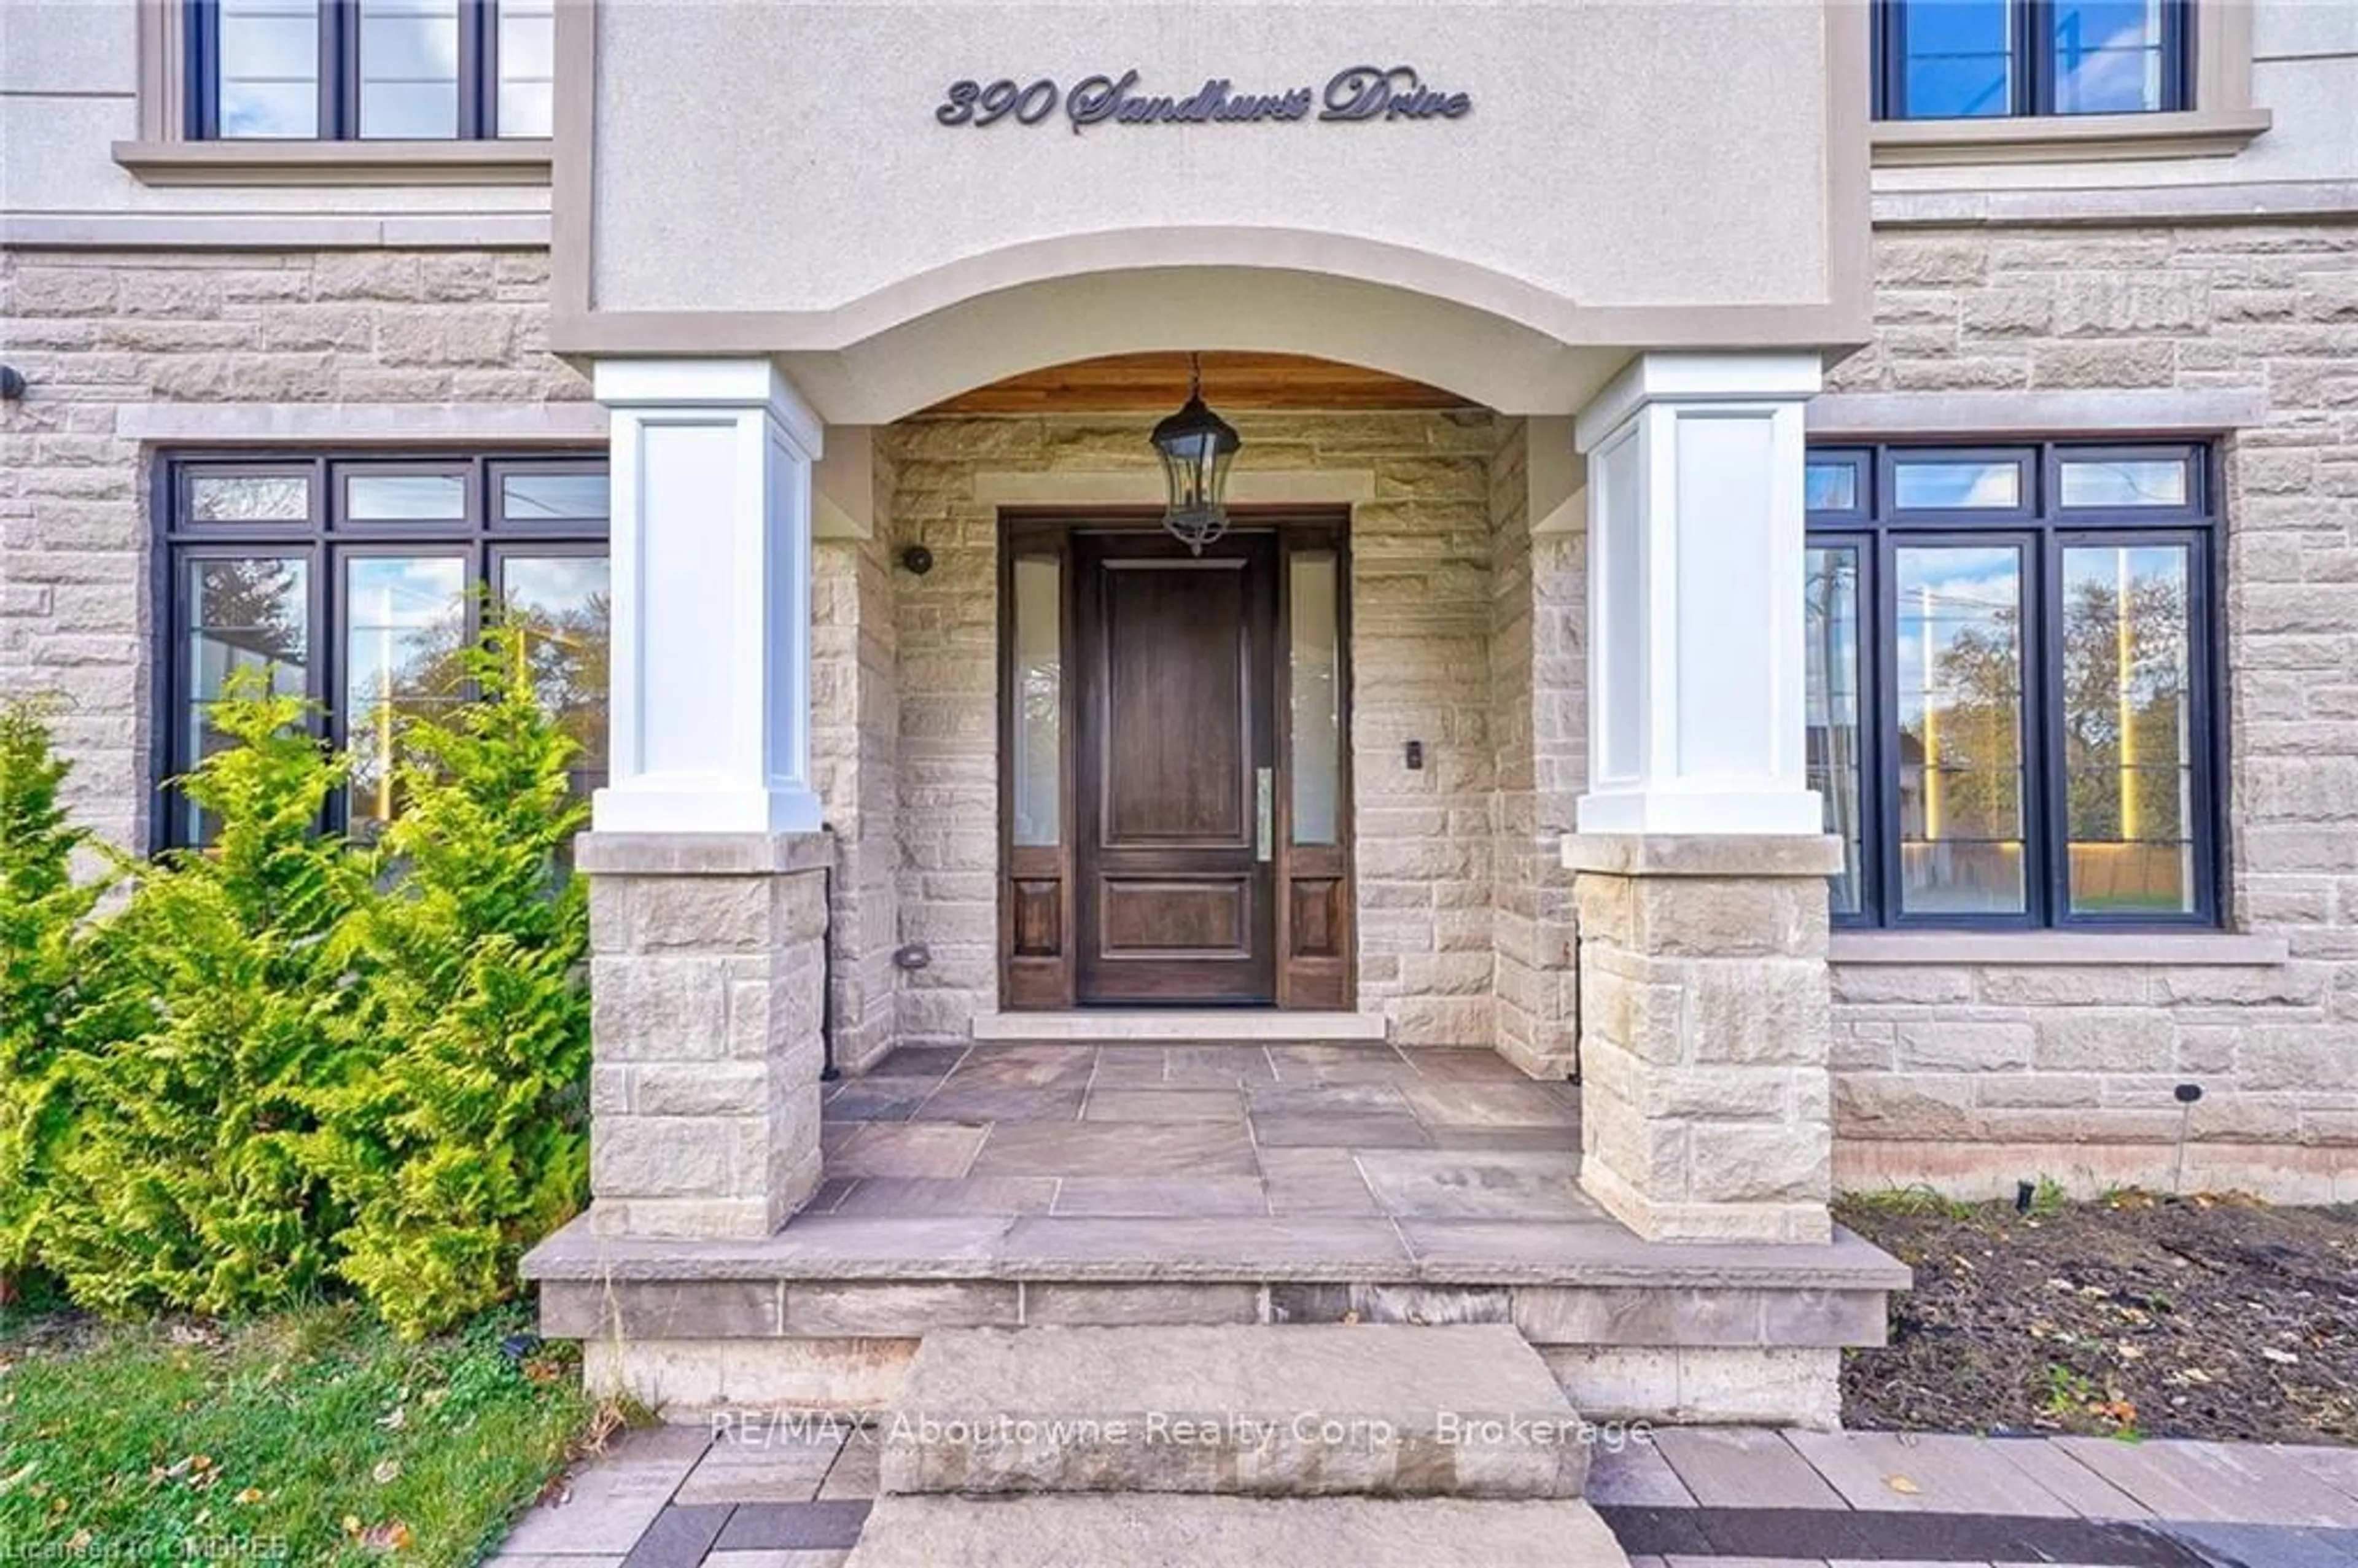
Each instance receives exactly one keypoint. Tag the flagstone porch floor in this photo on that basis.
(1378, 1176)
(1358, 1132)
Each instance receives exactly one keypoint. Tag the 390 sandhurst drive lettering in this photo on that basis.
(1357, 94)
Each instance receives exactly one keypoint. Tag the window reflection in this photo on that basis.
(1958, 58)
(1317, 687)
(269, 68)
(1836, 760)
(243, 614)
(2107, 56)
(1919, 485)
(2128, 758)
(409, 68)
(552, 497)
(2123, 483)
(1039, 697)
(1960, 699)
(250, 498)
(405, 642)
(404, 497)
(526, 72)
(1832, 487)
(562, 605)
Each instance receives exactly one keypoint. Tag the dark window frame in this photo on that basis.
(2032, 67)
(340, 74)
(326, 541)
(2043, 529)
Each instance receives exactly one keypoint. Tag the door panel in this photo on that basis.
(1176, 725)
(1175, 721)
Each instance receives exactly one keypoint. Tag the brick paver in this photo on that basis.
(674, 1497)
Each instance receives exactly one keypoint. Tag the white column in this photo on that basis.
(711, 471)
(1694, 596)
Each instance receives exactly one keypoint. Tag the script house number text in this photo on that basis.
(1357, 93)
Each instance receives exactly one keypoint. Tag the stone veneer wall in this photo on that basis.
(1539, 724)
(94, 332)
(1422, 616)
(1971, 1075)
(855, 742)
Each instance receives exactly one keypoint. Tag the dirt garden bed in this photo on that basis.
(2213, 1317)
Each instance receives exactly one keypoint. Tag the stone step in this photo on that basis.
(1140, 1531)
(1309, 1410)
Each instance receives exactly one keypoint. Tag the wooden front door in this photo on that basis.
(1176, 769)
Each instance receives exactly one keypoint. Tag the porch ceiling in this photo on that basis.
(1158, 383)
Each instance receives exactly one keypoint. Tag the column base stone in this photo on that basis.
(1705, 1105)
(706, 1007)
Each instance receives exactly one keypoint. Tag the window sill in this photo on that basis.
(517, 162)
(2066, 138)
(2156, 949)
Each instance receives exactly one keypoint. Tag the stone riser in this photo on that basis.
(704, 1382)
(1548, 1317)
(1327, 1410)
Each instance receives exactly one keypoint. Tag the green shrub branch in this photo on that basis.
(288, 1063)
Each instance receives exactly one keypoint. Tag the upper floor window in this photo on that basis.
(2013, 709)
(1959, 59)
(369, 70)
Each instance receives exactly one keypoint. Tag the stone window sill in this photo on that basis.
(2067, 138)
(2211, 948)
(518, 162)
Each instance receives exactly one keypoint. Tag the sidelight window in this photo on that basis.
(2010, 660)
(359, 583)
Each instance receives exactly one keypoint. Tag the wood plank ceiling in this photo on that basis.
(1157, 383)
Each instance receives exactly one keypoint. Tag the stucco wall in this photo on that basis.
(69, 93)
(1422, 669)
(100, 334)
(1973, 1075)
(712, 122)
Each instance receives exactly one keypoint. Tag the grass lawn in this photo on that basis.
(311, 1437)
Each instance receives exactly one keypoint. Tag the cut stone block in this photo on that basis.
(1141, 1531)
(1383, 1411)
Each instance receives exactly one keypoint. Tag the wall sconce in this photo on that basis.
(918, 560)
(12, 385)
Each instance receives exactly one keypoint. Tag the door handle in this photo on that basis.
(1264, 811)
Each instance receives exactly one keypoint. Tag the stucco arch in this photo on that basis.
(1416, 312)
(937, 356)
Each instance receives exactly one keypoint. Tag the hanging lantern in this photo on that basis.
(1196, 445)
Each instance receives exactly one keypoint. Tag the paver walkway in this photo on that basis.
(781, 1494)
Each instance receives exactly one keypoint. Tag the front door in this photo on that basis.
(1175, 760)
(1174, 765)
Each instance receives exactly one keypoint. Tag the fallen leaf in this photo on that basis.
(387, 1472)
(392, 1536)
(2281, 1357)
(1902, 1485)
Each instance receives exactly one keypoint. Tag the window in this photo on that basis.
(369, 70)
(1966, 59)
(357, 583)
(2010, 664)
